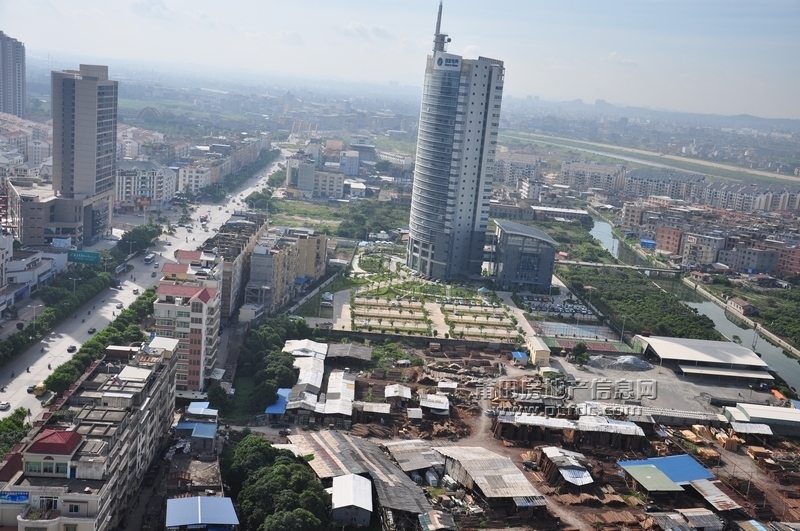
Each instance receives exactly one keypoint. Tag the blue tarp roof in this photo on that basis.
(201, 430)
(645, 240)
(517, 354)
(208, 510)
(300, 281)
(279, 407)
(681, 469)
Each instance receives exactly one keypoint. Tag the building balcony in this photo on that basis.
(52, 519)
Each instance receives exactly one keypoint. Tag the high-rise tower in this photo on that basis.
(84, 145)
(12, 76)
(458, 122)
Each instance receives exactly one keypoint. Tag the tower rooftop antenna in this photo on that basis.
(440, 39)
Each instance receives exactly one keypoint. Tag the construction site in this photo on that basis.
(491, 443)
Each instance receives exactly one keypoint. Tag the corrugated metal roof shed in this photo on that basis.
(496, 476)
(312, 371)
(336, 454)
(413, 454)
(414, 413)
(351, 491)
(349, 350)
(569, 465)
(651, 478)
(437, 521)
(746, 427)
(701, 350)
(373, 407)
(670, 522)
(701, 518)
(678, 468)
(751, 525)
(341, 392)
(534, 420)
(305, 347)
(434, 402)
(393, 390)
(713, 495)
(279, 407)
(205, 510)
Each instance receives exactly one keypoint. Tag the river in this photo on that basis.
(787, 367)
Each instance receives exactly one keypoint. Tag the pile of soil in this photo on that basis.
(620, 363)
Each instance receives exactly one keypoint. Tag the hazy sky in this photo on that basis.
(714, 56)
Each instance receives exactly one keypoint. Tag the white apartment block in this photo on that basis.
(192, 179)
(328, 185)
(348, 163)
(584, 175)
(143, 185)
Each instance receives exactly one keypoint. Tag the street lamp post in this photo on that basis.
(34, 316)
(74, 280)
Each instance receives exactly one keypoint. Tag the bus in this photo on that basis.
(150, 258)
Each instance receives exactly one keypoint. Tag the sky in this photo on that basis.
(705, 56)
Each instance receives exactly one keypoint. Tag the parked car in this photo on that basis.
(30, 389)
(92, 330)
(119, 306)
(72, 348)
(135, 291)
(5, 406)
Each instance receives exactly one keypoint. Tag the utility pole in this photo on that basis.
(34, 316)
(622, 335)
(74, 280)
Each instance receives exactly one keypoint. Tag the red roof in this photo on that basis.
(11, 466)
(179, 290)
(207, 294)
(182, 254)
(55, 442)
(169, 267)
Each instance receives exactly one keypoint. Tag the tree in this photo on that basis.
(580, 351)
(296, 520)
(218, 398)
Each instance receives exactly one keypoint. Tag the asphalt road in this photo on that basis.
(74, 331)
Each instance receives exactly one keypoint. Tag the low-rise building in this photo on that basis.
(201, 513)
(521, 257)
(351, 500)
(741, 306)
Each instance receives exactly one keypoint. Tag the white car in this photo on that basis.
(5, 406)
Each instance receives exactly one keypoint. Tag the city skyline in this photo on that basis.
(712, 57)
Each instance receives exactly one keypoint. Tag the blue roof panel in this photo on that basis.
(279, 407)
(205, 430)
(200, 510)
(517, 354)
(681, 469)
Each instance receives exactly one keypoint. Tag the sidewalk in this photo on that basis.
(24, 315)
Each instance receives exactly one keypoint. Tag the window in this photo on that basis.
(74, 508)
(70, 527)
(47, 467)
(61, 468)
(31, 466)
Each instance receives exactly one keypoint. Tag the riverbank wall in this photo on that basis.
(760, 330)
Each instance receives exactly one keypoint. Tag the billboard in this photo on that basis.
(83, 257)
(62, 243)
(13, 497)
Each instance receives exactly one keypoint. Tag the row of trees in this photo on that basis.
(232, 182)
(123, 330)
(273, 489)
(261, 357)
(625, 292)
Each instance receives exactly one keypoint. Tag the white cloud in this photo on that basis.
(358, 30)
(616, 58)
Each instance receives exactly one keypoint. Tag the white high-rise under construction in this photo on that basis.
(458, 122)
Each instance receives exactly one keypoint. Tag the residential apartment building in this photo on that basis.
(348, 163)
(511, 168)
(458, 124)
(13, 86)
(193, 178)
(39, 151)
(642, 183)
(632, 215)
(668, 240)
(699, 250)
(749, 260)
(300, 170)
(188, 309)
(234, 243)
(531, 188)
(81, 470)
(143, 185)
(284, 261)
(788, 256)
(328, 185)
(582, 176)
